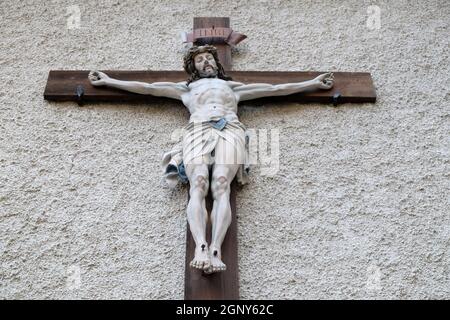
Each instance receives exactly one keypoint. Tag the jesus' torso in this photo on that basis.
(211, 99)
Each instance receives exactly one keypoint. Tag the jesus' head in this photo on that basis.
(203, 62)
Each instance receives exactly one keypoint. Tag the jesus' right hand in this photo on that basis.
(98, 78)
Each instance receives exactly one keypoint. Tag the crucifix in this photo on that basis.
(212, 152)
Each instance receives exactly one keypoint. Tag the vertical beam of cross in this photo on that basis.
(223, 49)
(223, 285)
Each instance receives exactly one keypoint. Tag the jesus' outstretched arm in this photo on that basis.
(159, 89)
(244, 92)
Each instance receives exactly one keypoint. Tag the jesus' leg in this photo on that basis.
(196, 213)
(221, 212)
(229, 156)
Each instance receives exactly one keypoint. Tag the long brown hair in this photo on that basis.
(189, 64)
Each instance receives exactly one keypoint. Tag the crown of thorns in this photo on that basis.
(189, 64)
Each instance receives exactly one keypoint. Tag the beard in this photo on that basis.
(212, 73)
(209, 71)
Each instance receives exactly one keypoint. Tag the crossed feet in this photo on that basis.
(208, 260)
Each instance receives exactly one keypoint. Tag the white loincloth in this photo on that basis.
(198, 145)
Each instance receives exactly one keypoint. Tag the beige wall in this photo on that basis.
(358, 209)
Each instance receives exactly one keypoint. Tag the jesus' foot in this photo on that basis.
(201, 259)
(216, 263)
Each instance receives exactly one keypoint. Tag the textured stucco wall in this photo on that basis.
(358, 209)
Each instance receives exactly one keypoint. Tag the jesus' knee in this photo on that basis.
(199, 186)
(220, 185)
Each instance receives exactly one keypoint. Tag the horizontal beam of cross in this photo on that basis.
(350, 87)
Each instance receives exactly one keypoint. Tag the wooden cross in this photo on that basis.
(350, 87)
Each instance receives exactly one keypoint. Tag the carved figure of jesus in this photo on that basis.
(214, 140)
